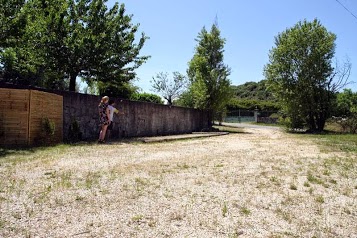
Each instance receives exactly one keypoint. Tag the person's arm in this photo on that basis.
(107, 111)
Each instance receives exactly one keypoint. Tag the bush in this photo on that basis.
(74, 132)
(147, 97)
(47, 133)
(347, 124)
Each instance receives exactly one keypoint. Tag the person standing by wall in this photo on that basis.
(104, 114)
(112, 110)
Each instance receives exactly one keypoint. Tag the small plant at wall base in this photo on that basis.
(74, 132)
(48, 128)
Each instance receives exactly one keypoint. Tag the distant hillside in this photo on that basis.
(253, 90)
(252, 95)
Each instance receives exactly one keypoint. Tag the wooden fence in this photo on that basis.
(22, 115)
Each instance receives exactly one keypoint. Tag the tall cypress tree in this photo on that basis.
(210, 86)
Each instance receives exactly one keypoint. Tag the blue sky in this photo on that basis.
(249, 28)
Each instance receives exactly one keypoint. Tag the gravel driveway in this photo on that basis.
(259, 183)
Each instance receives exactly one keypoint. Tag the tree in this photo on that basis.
(81, 38)
(347, 110)
(147, 97)
(169, 89)
(301, 75)
(208, 75)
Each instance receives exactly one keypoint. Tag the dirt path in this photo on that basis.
(260, 183)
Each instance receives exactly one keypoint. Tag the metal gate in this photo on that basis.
(239, 116)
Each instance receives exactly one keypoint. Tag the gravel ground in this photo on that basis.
(259, 183)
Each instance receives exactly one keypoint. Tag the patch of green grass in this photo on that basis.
(229, 129)
(19, 155)
(275, 180)
(92, 179)
(312, 179)
(245, 211)
(320, 199)
(64, 179)
(336, 142)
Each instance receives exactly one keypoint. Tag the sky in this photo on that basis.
(249, 28)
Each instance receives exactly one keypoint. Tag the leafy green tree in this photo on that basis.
(346, 110)
(170, 89)
(301, 75)
(11, 21)
(210, 86)
(346, 103)
(81, 38)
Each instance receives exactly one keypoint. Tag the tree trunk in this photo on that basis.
(72, 81)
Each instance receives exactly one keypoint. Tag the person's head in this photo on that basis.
(105, 99)
(111, 102)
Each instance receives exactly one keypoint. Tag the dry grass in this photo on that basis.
(261, 183)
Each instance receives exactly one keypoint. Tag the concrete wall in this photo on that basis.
(139, 119)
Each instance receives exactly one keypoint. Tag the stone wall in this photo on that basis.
(139, 118)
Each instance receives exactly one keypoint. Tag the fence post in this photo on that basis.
(256, 115)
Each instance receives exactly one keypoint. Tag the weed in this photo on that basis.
(224, 209)
(244, 210)
(312, 179)
(306, 184)
(137, 218)
(64, 180)
(79, 198)
(275, 180)
(183, 166)
(293, 187)
(333, 181)
(284, 214)
(2, 223)
(176, 216)
(320, 199)
(140, 184)
(326, 172)
(92, 179)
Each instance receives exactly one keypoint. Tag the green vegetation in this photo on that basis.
(336, 142)
(209, 84)
(51, 43)
(253, 95)
(300, 74)
(146, 97)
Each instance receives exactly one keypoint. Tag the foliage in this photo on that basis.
(208, 75)
(185, 100)
(63, 39)
(251, 104)
(346, 111)
(48, 128)
(301, 75)
(254, 90)
(74, 132)
(169, 89)
(147, 97)
(346, 103)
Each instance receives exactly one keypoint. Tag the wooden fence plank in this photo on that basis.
(14, 116)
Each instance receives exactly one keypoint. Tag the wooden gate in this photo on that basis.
(22, 116)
